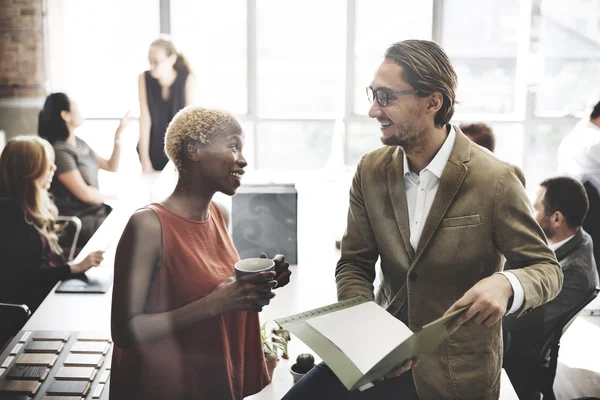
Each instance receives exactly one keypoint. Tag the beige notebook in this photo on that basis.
(361, 342)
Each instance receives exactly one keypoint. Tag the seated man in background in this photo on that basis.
(481, 134)
(560, 207)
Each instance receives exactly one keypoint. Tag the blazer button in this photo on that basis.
(412, 276)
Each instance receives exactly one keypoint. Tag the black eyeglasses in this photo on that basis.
(383, 97)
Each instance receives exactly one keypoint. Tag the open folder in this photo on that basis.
(360, 341)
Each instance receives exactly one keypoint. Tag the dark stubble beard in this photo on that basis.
(550, 233)
(407, 137)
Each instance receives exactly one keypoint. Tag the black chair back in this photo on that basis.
(12, 319)
(548, 357)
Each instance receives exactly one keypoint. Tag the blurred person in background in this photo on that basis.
(32, 261)
(579, 156)
(75, 190)
(481, 134)
(167, 87)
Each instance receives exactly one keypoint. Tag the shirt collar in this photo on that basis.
(437, 165)
(555, 246)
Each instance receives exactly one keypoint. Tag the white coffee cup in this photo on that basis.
(249, 266)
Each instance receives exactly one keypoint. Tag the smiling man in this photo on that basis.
(441, 214)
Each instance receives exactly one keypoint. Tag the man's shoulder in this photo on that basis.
(382, 155)
(584, 250)
(485, 167)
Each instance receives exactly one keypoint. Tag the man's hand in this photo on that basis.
(282, 270)
(405, 367)
(487, 301)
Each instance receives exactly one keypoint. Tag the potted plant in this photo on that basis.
(304, 363)
(270, 347)
(283, 337)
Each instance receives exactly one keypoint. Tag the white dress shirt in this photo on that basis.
(420, 192)
(555, 246)
(579, 153)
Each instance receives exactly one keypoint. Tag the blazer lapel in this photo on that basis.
(451, 180)
(395, 181)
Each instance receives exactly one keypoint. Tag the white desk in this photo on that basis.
(91, 311)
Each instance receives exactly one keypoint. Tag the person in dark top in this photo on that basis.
(32, 261)
(76, 189)
(164, 89)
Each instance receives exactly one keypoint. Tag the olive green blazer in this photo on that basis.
(480, 215)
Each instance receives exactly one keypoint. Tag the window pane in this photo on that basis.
(541, 148)
(481, 39)
(361, 137)
(293, 145)
(374, 35)
(570, 47)
(98, 52)
(213, 36)
(300, 56)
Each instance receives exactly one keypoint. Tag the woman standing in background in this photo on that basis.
(164, 89)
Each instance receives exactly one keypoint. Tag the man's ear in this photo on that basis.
(557, 218)
(191, 149)
(435, 102)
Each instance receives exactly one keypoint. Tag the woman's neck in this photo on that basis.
(188, 201)
(72, 140)
(168, 79)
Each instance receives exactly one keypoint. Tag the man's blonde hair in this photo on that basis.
(195, 123)
(427, 69)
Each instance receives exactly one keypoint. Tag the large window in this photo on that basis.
(296, 72)
(570, 49)
(300, 57)
(212, 34)
(97, 50)
(404, 19)
(482, 39)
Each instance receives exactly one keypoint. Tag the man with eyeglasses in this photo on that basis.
(441, 214)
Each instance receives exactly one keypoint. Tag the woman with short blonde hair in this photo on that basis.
(184, 327)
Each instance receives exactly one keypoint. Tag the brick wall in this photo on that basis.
(21, 49)
(22, 74)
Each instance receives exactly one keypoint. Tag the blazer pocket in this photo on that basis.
(456, 222)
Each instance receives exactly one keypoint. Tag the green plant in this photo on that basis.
(270, 346)
(282, 337)
(304, 362)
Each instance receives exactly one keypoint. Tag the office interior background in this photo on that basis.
(296, 72)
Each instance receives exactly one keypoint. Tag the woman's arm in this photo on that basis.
(145, 123)
(191, 90)
(73, 181)
(112, 164)
(139, 252)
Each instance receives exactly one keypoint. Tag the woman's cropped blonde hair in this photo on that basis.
(195, 123)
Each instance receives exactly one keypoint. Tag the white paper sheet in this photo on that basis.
(364, 333)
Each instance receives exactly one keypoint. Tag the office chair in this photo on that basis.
(548, 356)
(12, 319)
(77, 223)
